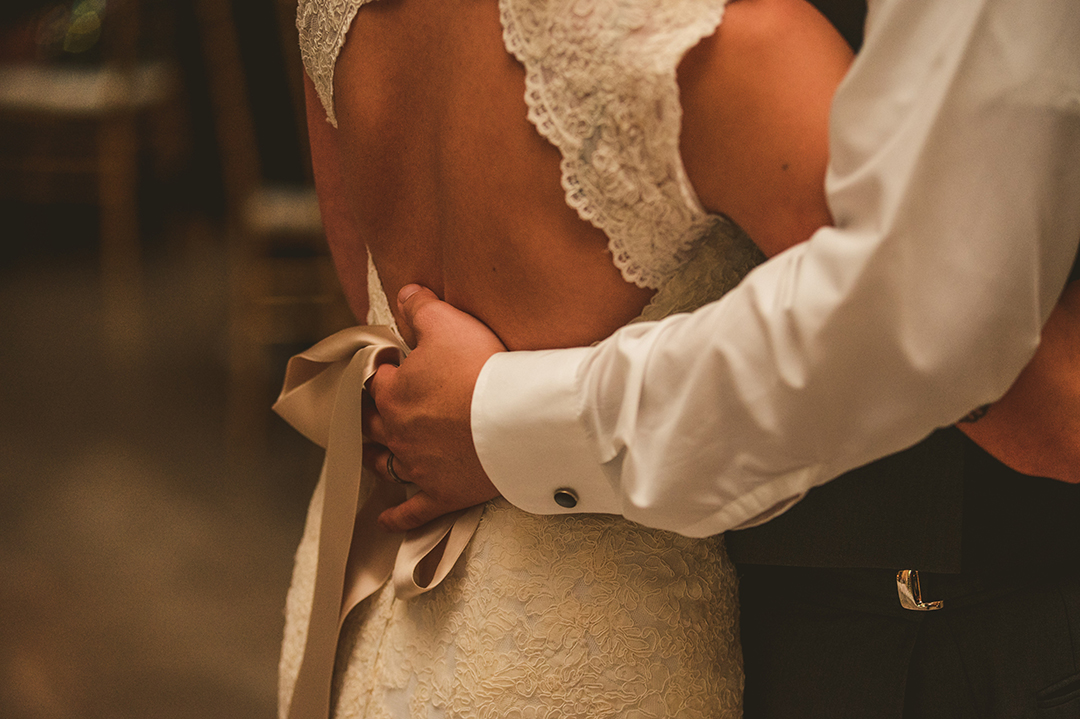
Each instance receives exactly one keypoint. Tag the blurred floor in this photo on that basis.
(141, 576)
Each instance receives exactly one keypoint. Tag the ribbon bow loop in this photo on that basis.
(312, 378)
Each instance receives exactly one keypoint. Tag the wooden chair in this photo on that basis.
(45, 106)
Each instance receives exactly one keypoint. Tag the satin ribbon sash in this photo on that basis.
(322, 398)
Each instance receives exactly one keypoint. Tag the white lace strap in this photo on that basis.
(600, 78)
(323, 25)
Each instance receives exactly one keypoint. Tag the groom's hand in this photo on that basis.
(1035, 427)
(423, 410)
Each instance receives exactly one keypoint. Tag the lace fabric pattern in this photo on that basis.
(544, 617)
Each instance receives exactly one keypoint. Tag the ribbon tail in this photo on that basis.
(373, 550)
(345, 491)
(428, 553)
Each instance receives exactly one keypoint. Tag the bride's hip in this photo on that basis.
(597, 554)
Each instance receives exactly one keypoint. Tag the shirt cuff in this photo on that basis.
(528, 432)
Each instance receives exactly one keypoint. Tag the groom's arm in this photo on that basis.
(954, 178)
(1035, 427)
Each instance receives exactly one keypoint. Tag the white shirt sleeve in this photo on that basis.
(954, 180)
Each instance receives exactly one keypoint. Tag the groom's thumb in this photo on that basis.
(414, 305)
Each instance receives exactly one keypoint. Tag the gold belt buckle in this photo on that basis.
(907, 586)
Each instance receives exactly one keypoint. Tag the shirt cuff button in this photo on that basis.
(566, 498)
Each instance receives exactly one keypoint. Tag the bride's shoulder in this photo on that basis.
(755, 98)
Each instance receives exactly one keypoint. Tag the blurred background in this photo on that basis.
(160, 259)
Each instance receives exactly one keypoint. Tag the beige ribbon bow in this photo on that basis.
(322, 399)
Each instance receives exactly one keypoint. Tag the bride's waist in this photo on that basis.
(542, 305)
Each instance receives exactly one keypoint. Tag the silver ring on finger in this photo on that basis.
(390, 469)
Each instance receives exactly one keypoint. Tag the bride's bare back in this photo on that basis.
(436, 168)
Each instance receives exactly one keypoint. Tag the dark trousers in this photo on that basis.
(836, 644)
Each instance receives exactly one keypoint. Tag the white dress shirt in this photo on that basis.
(954, 181)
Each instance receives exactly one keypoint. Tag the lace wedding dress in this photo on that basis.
(575, 615)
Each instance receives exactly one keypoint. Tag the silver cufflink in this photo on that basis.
(566, 498)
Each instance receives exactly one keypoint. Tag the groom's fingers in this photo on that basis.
(416, 511)
(423, 409)
(371, 420)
